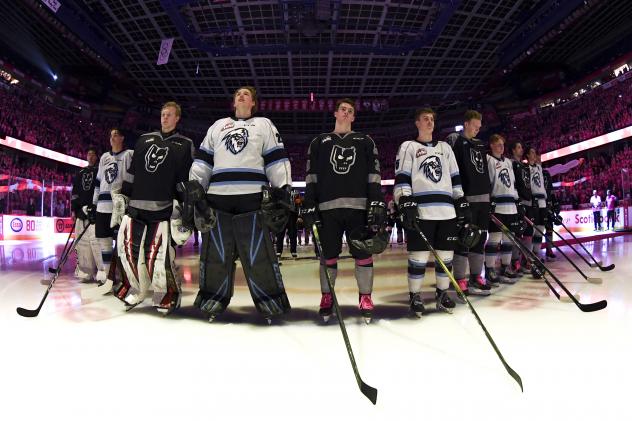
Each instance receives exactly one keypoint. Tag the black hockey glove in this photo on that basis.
(309, 215)
(91, 213)
(80, 213)
(521, 211)
(195, 212)
(409, 213)
(463, 211)
(492, 207)
(376, 214)
(276, 204)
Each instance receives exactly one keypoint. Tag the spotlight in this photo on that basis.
(54, 76)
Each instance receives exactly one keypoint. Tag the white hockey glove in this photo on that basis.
(119, 207)
(179, 233)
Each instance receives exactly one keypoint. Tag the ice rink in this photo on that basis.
(84, 357)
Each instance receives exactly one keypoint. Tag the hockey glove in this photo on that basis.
(463, 211)
(179, 233)
(492, 207)
(119, 208)
(468, 235)
(409, 213)
(194, 209)
(376, 214)
(276, 204)
(81, 213)
(520, 210)
(309, 215)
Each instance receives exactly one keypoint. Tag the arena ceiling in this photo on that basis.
(396, 54)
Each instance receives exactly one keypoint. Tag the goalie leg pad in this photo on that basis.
(257, 255)
(131, 237)
(85, 257)
(159, 265)
(217, 266)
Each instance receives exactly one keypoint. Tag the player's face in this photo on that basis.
(116, 139)
(425, 124)
(471, 128)
(168, 119)
(498, 148)
(91, 158)
(531, 156)
(345, 113)
(518, 151)
(243, 100)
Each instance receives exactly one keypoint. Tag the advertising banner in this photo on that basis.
(583, 221)
(21, 227)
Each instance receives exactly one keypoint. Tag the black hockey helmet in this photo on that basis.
(468, 235)
(369, 241)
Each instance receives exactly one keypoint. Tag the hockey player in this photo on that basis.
(504, 197)
(430, 199)
(470, 156)
(538, 192)
(89, 259)
(343, 193)
(144, 208)
(237, 161)
(523, 206)
(113, 167)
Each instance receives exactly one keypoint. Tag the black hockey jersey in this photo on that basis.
(83, 188)
(343, 171)
(523, 181)
(471, 157)
(160, 161)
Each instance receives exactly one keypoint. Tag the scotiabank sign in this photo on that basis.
(583, 220)
(19, 227)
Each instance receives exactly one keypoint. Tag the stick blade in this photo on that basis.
(369, 391)
(594, 280)
(24, 312)
(607, 268)
(594, 264)
(515, 376)
(599, 305)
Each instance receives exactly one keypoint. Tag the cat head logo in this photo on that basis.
(477, 160)
(86, 180)
(236, 140)
(111, 172)
(342, 159)
(155, 156)
(504, 177)
(431, 168)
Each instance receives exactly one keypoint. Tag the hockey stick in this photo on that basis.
(64, 250)
(368, 391)
(458, 290)
(33, 313)
(599, 305)
(587, 278)
(592, 265)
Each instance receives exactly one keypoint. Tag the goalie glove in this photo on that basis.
(119, 208)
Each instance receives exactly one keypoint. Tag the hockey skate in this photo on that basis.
(132, 300)
(170, 303)
(101, 278)
(492, 277)
(366, 307)
(507, 276)
(463, 286)
(479, 286)
(326, 306)
(550, 255)
(416, 304)
(443, 301)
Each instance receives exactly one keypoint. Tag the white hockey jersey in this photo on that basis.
(503, 181)
(113, 170)
(538, 189)
(429, 173)
(240, 156)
